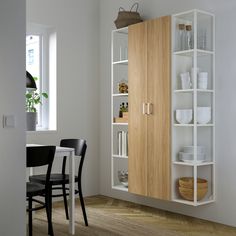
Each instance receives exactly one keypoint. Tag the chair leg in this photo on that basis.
(48, 201)
(82, 203)
(30, 218)
(65, 201)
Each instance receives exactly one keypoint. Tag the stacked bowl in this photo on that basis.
(187, 155)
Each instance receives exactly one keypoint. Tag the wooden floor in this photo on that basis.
(108, 217)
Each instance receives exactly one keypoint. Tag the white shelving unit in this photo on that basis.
(119, 71)
(194, 134)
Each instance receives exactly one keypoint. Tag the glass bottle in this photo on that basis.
(181, 37)
(120, 111)
(189, 38)
(126, 108)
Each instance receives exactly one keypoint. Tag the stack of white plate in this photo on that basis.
(187, 155)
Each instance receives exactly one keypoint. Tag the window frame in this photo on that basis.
(44, 113)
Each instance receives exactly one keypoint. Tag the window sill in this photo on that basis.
(41, 131)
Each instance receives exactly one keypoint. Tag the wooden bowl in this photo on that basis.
(187, 182)
(187, 193)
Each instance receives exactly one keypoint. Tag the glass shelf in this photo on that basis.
(123, 62)
(206, 163)
(192, 90)
(190, 53)
(120, 94)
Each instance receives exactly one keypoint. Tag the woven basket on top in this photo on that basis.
(126, 18)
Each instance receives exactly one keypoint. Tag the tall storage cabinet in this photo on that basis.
(162, 150)
(149, 108)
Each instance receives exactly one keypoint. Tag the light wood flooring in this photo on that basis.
(111, 217)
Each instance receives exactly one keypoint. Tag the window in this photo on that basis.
(41, 63)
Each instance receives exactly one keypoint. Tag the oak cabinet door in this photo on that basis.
(159, 98)
(149, 108)
(137, 130)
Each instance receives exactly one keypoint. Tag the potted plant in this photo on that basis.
(33, 98)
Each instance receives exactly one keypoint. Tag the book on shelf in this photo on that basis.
(122, 138)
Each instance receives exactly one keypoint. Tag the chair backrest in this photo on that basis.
(77, 144)
(80, 147)
(41, 156)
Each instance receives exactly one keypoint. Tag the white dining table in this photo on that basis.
(70, 153)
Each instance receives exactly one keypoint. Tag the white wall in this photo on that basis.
(76, 24)
(224, 210)
(12, 140)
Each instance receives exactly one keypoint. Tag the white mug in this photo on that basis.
(202, 80)
(185, 80)
(192, 72)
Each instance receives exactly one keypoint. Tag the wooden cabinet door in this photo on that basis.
(137, 131)
(159, 97)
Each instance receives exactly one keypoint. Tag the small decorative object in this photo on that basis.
(123, 177)
(126, 18)
(186, 188)
(123, 86)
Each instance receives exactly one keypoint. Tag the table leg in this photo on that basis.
(72, 193)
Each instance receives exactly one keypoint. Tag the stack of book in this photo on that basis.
(122, 143)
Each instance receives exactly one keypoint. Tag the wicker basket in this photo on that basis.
(186, 188)
(126, 18)
(188, 193)
(187, 182)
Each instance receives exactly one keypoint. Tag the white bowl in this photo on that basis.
(184, 116)
(189, 157)
(190, 149)
(203, 115)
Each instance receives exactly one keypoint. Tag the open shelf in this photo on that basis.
(183, 125)
(190, 53)
(123, 30)
(206, 163)
(120, 94)
(119, 123)
(121, 157)
(120, 187)
(192, 90)
(191, 203)
(190, 63)
(119, 129)
(123, 62)
(192, 125)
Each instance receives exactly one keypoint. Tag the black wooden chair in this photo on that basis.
(59, 180)
(35, 157)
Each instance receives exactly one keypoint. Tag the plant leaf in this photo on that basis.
(45, 95)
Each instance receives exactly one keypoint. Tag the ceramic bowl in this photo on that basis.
(184, 116)
(190, 149)
(203, 115)
(189, 157)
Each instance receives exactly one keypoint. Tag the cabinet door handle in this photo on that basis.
(149, 108)
(144, 108)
